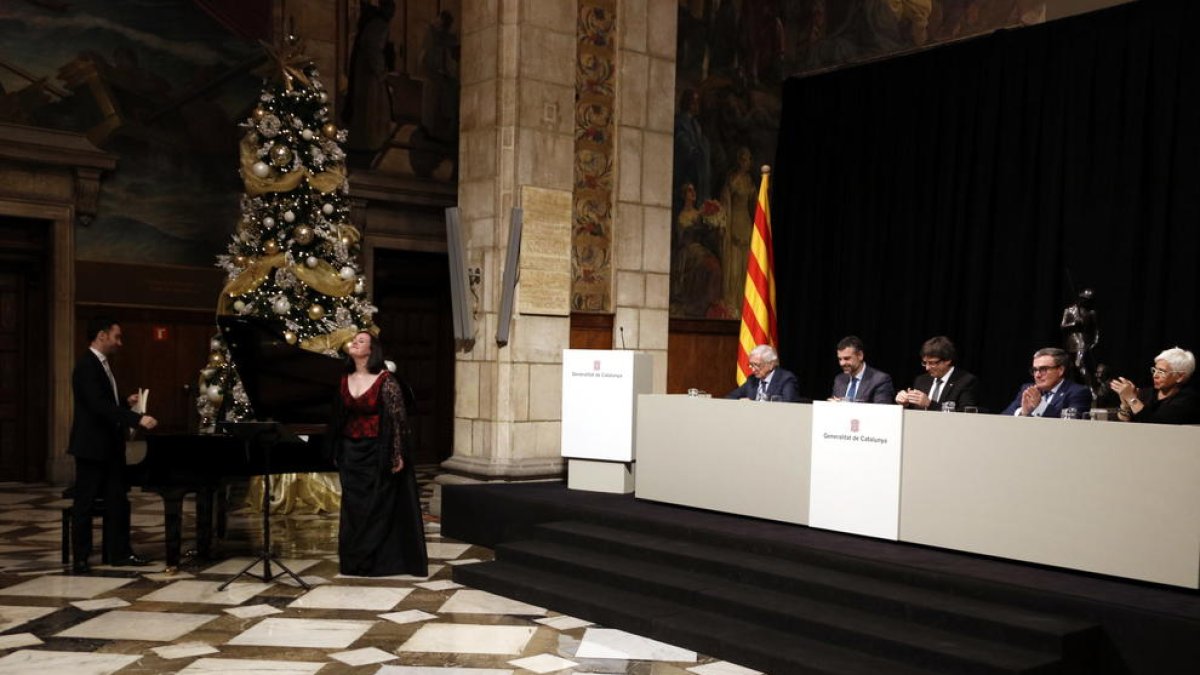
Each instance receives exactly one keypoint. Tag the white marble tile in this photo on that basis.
(185, 650)
(437, 670)
(252, 611)
(439, 585)
(28, 661)
(146, 520)
(7, 498)
(543, 663)
(722, 668)
(102, 603)
(18, 640)
(153, 626)
(310, 580)
(63, 586)
(408, 616)
(319, 633)
(12, 616)
(251, 667)
(363, 657)
(471, 601)
(234, 565)
(469, 639)
(464, 561)
(15, 548)
(608, 643)
(351, 597)
(445, 551)
(563, 622)
(206, 592)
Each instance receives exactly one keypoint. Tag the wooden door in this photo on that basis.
(412, 291)
(25, 369)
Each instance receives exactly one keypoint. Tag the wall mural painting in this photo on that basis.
(594, 102)
(732, 58)
(159, 84)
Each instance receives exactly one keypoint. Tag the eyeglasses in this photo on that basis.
(755, 365)
(1154, 370)
(929, 363)
(1042, 369)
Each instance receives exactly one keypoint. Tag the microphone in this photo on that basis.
(622, 329)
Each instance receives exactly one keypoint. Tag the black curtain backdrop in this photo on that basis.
(969, 190)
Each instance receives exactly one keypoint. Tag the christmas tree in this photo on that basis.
(294, 258)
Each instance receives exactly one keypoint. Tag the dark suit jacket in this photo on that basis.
(98, 430)
(960, 388)
(1069, 395)
(783, 384)
(876, 387)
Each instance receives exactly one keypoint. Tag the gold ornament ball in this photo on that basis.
(316, 312)
(303, 235)
(216, 358)
(270, 247)
(281, 155)
(290, 337)
(330, 130)
(258, 114)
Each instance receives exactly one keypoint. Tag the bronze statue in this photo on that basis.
(1081, 334)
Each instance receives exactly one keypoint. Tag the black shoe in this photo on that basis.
(81, 567)
(132, 560)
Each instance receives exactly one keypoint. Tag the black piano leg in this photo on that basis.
(173, 514)
(204, 523)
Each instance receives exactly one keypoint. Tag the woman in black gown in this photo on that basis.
(381, 532)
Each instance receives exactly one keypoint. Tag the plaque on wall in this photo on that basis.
(545, 260)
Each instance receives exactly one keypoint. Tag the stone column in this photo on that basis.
(645, 133)
(517, 130)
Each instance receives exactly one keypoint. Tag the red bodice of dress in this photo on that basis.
(362, 413)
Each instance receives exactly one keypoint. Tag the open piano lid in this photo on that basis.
(284, 383)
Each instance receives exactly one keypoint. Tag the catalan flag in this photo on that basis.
(758, 303)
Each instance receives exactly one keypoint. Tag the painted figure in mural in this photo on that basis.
(698, 265)
(738, 200)
(1081, 334)
(439, 68)
(368, 109)
(692, 154)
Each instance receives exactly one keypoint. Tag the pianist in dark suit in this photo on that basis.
(942, 382)
(381, 531)
(98, 445)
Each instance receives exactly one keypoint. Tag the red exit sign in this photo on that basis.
(160, 333)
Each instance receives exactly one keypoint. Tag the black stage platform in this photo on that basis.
(789, 599)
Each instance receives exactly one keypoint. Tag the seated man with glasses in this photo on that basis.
(942, 382)
(1169, 401)
(1050, 392)
(768, 382)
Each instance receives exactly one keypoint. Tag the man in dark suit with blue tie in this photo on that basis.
(1050, 392)
(858, 381)
(98, 445)
(769, 382)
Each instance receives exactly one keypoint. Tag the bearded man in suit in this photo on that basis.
(858, 381)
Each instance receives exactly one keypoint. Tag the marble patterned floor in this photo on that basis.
(139, 620)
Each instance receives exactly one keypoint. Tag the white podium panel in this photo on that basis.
(599, 398)
(856, 451)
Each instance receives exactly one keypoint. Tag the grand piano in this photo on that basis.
(290, 390)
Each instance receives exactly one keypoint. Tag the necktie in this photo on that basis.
(762, 390)
(852, 392)
(937, 390)
(111, 380)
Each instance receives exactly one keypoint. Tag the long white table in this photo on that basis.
(1105, 497)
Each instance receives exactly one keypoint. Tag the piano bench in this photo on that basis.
(97, 510)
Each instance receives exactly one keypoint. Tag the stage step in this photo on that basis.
(672, 579)
(742, 642)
